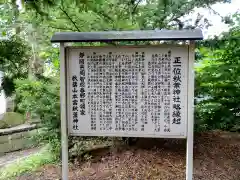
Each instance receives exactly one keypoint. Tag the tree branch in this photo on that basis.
(61, 28)
(180, 23)
(74, 23)
(184, 8)
(135, 7)
(215, 12)
(103, 14)
(164, 16)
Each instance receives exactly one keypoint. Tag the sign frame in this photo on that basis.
(63, 38)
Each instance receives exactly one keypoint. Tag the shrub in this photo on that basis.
(41, 98)
(217, 84)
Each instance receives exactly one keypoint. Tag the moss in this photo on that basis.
(11, 119)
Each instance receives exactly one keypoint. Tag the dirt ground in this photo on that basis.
(216, 157)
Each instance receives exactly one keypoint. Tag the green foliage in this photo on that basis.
(218, 84)
(8, 18)
(47, 17)
(41, 98)
(13, 62)
(30, 163)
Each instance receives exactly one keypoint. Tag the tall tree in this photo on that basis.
(73, 15)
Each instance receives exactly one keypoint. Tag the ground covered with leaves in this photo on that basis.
(216, 157)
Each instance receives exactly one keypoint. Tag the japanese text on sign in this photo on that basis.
(128, 91)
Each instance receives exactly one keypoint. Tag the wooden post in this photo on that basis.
(190, 124)
(63, 94)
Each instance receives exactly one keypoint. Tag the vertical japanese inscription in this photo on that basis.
(82, 93)
(100, 69)
(143, 89)
(159, 73)
(92, 90)
(126, 83)
(75, 102)
(177, 81)
(166, 93)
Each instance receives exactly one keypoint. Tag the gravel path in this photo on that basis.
(14, 156)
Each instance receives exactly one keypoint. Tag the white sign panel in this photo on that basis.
(126, 91)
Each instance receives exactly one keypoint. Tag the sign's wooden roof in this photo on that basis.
(141, 35)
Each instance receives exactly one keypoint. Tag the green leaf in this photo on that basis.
(4, 33)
